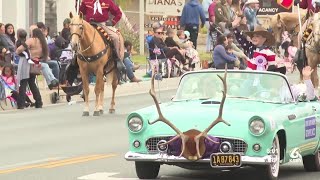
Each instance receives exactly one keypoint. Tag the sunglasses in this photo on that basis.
(160, 32)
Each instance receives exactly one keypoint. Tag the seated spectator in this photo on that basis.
(229, 51)
(48, 37)
(65, 33)
(171, 39)
(237, 51)
(190, 52)
(6, 45)
(261, 56)
(159, 50)
(53, 64)
(10, 32)
(220, 56)
(130, 67)
(11, 86)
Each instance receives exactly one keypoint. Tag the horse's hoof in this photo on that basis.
(85, 113)
(101, 111)
(111, 111)
(96, 113)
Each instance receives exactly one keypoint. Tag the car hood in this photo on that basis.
(196, 115)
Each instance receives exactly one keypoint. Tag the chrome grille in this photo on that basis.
(151, 143)
(239, 145)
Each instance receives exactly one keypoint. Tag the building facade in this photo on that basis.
(23, 13)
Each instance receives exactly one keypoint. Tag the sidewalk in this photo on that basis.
(122, 90)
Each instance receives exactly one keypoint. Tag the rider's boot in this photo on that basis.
(121, 69)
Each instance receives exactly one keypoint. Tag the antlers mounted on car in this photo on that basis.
(193, 144)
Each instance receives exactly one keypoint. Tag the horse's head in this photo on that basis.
(76, 30)
(278, 27)
(316, 27)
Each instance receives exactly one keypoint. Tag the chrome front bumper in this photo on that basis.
(132, 156)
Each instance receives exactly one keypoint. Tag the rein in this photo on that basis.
(79, 53)
(291, 31)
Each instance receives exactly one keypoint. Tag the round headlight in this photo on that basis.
(135, 124)
(257, 127)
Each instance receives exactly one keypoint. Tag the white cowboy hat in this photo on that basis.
(252, 2)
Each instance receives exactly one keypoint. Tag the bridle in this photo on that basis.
(81, 27)
(291, 31)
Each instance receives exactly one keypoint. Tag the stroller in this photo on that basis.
(68, 71)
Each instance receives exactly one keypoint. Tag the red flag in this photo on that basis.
(285, 3)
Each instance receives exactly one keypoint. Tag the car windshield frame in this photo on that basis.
(221, 71)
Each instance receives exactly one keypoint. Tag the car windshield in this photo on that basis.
(247, 85)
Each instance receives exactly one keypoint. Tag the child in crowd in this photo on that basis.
(130, 67)
(9, 80)
(287, 51)
(171, 39)
(261, 56)
(229, 51)
(187, 45)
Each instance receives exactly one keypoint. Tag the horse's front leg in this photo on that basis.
(114, 87)
(85, 84)
(98, 91)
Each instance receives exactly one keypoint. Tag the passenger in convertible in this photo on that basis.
(301, 92)
(257, 44)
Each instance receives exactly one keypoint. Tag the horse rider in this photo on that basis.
(98, 11)
(309, 5)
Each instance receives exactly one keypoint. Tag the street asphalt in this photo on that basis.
(57, 143)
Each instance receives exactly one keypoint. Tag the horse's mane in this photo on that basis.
(286, 17)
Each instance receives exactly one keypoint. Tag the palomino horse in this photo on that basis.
(313, 49)
(92, 56)
(286, 22)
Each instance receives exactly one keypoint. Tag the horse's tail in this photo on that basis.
(110, 70)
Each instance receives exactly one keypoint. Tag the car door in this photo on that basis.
(301, 126)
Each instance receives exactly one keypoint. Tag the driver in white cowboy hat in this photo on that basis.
(250, 11)
(261, 57)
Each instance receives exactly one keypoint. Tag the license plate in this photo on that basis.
(225, 160)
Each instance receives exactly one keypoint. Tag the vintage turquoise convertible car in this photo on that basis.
(239, 118)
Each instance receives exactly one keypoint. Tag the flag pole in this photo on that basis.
(78, 6)
(300, 24)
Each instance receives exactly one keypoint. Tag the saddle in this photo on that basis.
(107, 40)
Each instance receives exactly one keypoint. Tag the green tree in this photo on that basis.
(123, 3)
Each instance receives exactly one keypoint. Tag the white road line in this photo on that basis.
(30, 162)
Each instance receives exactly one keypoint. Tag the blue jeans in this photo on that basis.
(129, 67)
(46, 72)
(53, 64)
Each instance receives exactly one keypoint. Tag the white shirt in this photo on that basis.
(306, 88)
